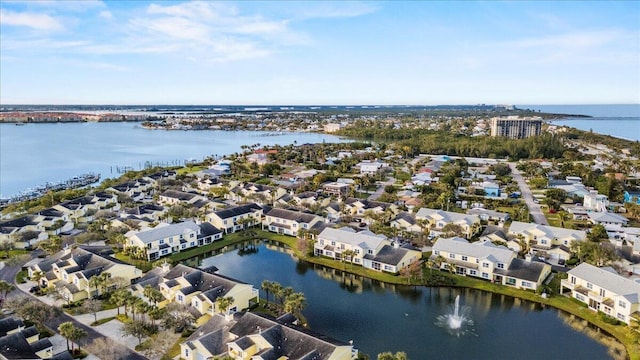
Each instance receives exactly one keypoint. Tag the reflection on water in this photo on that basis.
(385, 317)
(616, 349)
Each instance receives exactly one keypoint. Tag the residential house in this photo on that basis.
(24, 343)
(487, 261)
(332, 127)
(24, 232)
(197, 288)
(289, 222)
(165, 239)
(406, 221)
(260, 194)
(336, 189)
(607, 218)
(256, 336)
(137, 189)
(147, 211)
(602, 289)
(489, 215)
(82, 209)
(489, 188)
(438, 219)
(550, 241)
(371, 167)
(236, 217)
(73, 268)
(370, 250)
(175, 197)
(359, 207)
(159, 176)
(595, 202)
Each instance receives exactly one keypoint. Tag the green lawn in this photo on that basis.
(629, 337)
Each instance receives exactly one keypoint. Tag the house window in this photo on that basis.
(304, 226)
(500, 266)
(357, 260)
(621, 316)
(511, 281)
(566, 242)
(589, 286)
(388, 268)
(602, 292)
(193, 243)
(180, 298)
(485, 275)
(165, 251)
(321, 242)
(356, 251)
(452, 255)
(370, 252)
(526, 284)
(333, 243)
(543, 242)
(464, 258)
(341, 246)
(183, 246)
(622, 304)
(573, 279)
(473, 272)
(161, 241)
(436, 252)
(485, 265)
(225, 222)
(191, 235)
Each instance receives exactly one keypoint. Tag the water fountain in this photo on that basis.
(457, 323)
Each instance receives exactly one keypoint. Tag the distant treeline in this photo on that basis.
(440, 142)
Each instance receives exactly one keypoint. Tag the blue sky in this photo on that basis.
(249, 52)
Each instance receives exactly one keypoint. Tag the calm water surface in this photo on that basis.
(33, 154)
(380, 317)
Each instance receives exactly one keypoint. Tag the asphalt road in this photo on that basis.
(8, 273)
(534, 209)
(380, 189)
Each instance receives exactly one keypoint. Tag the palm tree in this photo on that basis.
(276, 289)
(223, 303)
(5, 289)
(140, 307)
(94, 282)
(295, 303)
(152, 294)
(75, 335)
(66, 329)
(266, 287)
(119, 298)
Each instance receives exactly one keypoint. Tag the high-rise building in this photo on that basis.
(515, 127)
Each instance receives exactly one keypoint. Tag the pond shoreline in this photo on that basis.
(622, 333)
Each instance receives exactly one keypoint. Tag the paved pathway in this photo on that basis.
(112, 334)
(534, 209)
(380, 189)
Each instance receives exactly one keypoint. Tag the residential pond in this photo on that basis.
(381, 317)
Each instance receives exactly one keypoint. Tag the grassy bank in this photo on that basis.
(629, 337)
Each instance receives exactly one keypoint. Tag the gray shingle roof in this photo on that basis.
(608, 279)
(163, 232)
(480, 249)
(237, 210)
(364, 241)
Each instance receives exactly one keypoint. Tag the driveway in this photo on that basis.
(534, 209)
(380, 189)
(8, 273)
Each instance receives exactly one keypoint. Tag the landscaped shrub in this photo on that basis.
(572, 261)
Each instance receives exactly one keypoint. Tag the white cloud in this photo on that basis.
(106, 14)
(31, 20)
(343, 9)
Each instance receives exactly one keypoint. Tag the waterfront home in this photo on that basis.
(256, 336)
(165, 239)
(332, 127)
(73, 268)
(82, 209)
(489, 215)
(199, 289)
(236, 218)
(405, 221)
(364, 248)
(159, 176)
(289, 222)
(438, 219)
(607, 218)
(546, 238)
(336, 189)
(483, 259)
(603, 289)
